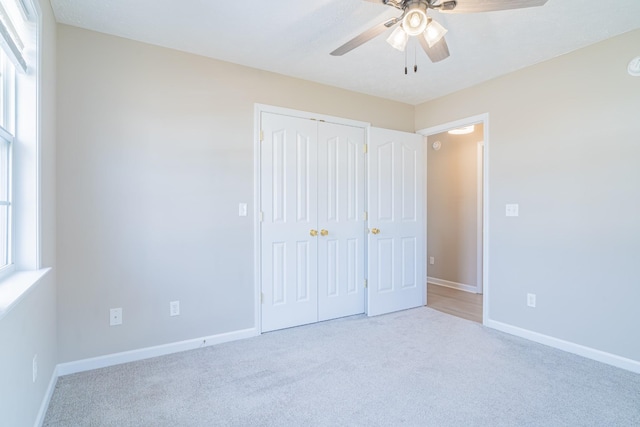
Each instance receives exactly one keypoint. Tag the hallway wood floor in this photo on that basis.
(455, 302)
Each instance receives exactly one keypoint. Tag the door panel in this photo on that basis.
(384, 157)
(383, 276)
(341, 215)
(289, 205)
(409, 270)
(396, 270)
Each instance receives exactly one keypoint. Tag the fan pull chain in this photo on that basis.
(415, 59)
(405, 62)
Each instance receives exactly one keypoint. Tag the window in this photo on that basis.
(17, 113)
(7, 85)
(5, 198)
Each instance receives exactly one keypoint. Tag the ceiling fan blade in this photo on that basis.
(365, 37)
(472, 6)
(393, 3)
(437, 52)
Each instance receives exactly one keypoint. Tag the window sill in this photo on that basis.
(15, 287)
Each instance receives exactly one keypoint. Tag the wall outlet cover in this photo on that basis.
(115, 316)
(512, 209)
(174, 308)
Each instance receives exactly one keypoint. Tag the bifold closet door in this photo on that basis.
(340, 220)
(313, 228)
(289, 246)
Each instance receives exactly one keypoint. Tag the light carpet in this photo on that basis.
(418, 367)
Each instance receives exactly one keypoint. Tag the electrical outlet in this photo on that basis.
(531, 300)
(174, 308)
(432, 260)
(115, 316)
(34, 368)
(512, 209)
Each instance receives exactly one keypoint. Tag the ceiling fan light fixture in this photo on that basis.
(398, 39)
(415, 18)
(434, 32)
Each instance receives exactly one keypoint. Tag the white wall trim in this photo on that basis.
(479, 213)
(580, 350)
(35, 8)
(146, 353)
(473, 120)
(47, 398)
(454, 285)
(257, 229)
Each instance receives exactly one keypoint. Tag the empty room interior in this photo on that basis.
(322, 213)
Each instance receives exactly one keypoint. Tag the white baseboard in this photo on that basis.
(454, 285)
(146, 353)
(580, 350)
(47, 398)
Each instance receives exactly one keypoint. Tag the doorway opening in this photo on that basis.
(457, 219)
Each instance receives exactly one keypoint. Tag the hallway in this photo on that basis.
(455, 302)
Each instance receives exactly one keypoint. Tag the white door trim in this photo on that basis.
(484, 119)
(258, 110)
(479, 225)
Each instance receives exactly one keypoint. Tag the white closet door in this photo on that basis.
(289, 205)
(340, 220)
(397, 239)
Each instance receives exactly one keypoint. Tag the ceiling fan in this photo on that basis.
(415, 22)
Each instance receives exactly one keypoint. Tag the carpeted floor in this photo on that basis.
(414, 368)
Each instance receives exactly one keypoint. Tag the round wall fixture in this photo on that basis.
(634, 67)
(436, 145)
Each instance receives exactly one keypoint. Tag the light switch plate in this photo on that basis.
(531, 300)
(512, 209)
(242, 209)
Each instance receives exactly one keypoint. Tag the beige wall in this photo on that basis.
(30, 327)
(452, 206)
(563, 143)
(155, 151)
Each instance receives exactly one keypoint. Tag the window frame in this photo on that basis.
(20, 124)
(7, 126)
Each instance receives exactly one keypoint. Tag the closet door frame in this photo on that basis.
(257, 214)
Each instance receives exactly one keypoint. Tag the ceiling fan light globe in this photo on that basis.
(398, 39)
(434, 33)
(415, 22)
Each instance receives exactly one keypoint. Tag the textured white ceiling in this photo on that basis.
(294, 37)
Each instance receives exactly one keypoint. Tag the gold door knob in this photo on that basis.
(375, 231)
(324, 232)
(313, 232)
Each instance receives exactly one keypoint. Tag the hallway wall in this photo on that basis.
(452, 205)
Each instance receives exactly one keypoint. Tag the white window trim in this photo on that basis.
(25, 273)
(17, 286)
(5, 270)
